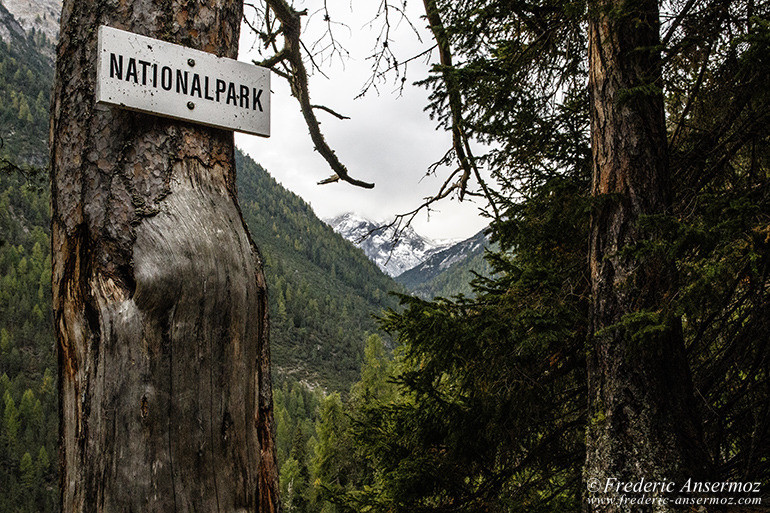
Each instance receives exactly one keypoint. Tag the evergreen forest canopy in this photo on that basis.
(483, 404)
(25, 94)
(495, 403)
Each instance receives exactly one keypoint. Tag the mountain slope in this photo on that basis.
(26, 76)
(393, 257)
(39, 17)
(10, 28)
(449, 271)
(323, 291)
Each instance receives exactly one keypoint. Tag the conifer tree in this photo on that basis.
(158, 291)
(642, 419)
(11, 426)
(492, 413)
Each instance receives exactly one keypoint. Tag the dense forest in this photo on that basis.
(29, 431)
(479, 402)
(323, 292)
(623, 331)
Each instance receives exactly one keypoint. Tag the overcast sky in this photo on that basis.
(389, 139)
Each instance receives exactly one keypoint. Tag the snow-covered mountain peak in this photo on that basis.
(393, 256)
(352, 226)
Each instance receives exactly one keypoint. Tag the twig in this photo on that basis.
(298, 81)
(330, 111)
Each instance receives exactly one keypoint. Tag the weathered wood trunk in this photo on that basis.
(642, 420)
(159, 296)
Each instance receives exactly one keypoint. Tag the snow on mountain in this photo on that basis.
(442, 260)
(393, 257)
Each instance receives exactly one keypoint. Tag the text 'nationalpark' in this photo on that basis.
(183, 82)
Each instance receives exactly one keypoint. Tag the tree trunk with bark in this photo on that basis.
(159, 295)
(642, 417)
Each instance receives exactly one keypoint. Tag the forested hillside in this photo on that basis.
(449, 272)
(28, 432)
(323, 292)
(25, 91)
(28, 397)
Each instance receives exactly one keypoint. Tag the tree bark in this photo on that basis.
(642, 417)
(159, 296)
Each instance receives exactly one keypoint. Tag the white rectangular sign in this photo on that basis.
(149, 75)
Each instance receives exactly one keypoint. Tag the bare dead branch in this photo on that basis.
(331, 179)
(312, 59)
(327, 40)
(270, 62)
(297, 77)
(402, 221)
(459, 140)
(394, 65)
(383, 59)
(330, 111)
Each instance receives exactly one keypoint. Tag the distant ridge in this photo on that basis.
(41, 15)
(392, 256)
(10, 28)
(449, 272)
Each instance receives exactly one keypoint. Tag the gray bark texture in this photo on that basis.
(643, 423)
(159, 296)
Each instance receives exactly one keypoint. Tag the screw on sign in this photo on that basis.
(153, 76)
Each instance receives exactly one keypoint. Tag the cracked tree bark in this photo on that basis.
(159, 296)
(643, 423)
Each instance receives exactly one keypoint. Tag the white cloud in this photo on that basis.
(389, 139)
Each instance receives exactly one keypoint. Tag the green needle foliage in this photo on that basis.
(482, 406)
(490, 405)
(492, 400)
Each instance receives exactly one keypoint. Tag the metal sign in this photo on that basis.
(149, 75)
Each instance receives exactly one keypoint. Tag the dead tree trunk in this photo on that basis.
(642, 420)
(159, 296)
